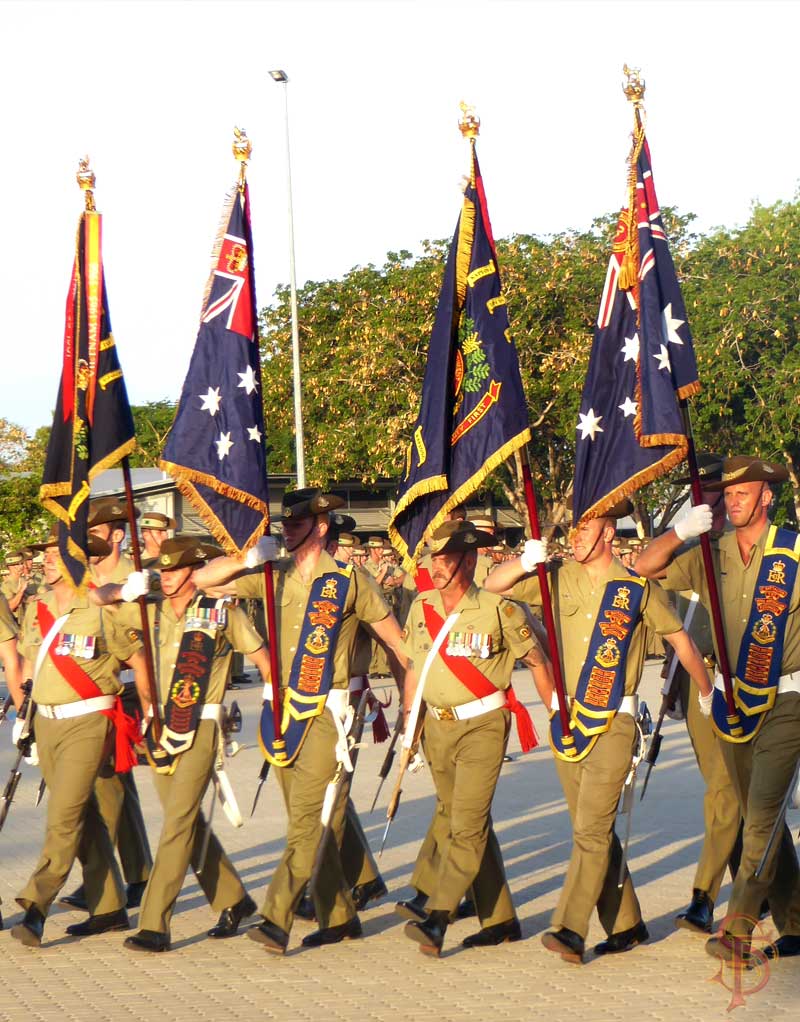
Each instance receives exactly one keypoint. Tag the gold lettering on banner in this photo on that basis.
(777, 573)
(480, 273)
(311, 670)
(495, 303)
(756, 669)
(598, 689)
(329, 589)
(616, 624)
(622, 599)
(109, 378)
(772, 599)
(419, 443)
(324, 613)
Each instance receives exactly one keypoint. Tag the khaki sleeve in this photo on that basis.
(411, 629)
(240, 633)
(370, 605)
(517, 632)
(527, 591)
(250, 587)
(658, 611)
(8, 626)
(682, 571)
(31, 637)
(122, 640)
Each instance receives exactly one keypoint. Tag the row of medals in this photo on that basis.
(469, 644)
(82, 646)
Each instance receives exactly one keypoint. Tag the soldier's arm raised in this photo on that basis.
(653, 561)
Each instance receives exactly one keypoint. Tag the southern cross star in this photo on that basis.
(589, 424)
(629, 408)
(663, 358)
(671, 325)
(254, 433)
(248, 380)
(210, 401)
(223, 445)
(631, 348)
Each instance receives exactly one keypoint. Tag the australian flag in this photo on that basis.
(93, 426)
(473, 414)
(630, 427)
(216, 448)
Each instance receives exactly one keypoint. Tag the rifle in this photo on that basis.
(24, 749)
(5, 708)
(388, 759)
(669, 694)
(407, 754)
(336, 786)
(644, 725)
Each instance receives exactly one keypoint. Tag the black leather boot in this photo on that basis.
(30, 930)
(429, 933)
(699, 916)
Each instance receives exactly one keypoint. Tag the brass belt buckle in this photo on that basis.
(445, 713)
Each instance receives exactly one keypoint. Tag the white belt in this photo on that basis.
(76, 709)
(629, 704)
(787, 683)
(211, 711)
(467, 710)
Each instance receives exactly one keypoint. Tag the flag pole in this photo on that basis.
(568, 741)
(155, 700)
(634, 89)
(242, 148)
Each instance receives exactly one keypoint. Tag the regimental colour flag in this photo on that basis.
(473, 414)
(216, 448)
(630, 428)
(93, 426)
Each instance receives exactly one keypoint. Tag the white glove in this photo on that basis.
(33, 759)
(695, 522)
(16, 730)
(416, 763)
(266, 549)
(534, 552)
(135, 585)
(705, 703)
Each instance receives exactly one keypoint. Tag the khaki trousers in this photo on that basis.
(70, 758)
(721, 815)
(182, 835)
(118, 799)
(592, 789)
(358, 862)
(303, 785)
(465, 758)
(761, 771)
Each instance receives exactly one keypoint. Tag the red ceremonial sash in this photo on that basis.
(125, 727)
(478, 684)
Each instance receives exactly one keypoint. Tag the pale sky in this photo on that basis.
(151, 91)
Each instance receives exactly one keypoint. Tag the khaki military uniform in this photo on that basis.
(181, 792)
(721, 813)
(11, 586)
(592, 787)
(465, 757)
(117, 795)
(483, 566)
(71, 754)
(303, 783)
(762, 769)
(8, 630)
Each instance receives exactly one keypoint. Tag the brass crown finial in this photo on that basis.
(85, 178)
(242, 147)
(634, 86)
(469, 124)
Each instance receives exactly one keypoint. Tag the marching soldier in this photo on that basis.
(19, 587)
(463, 644)
(117, 795)
(194, 637)
(77, 648)
(305, 778)
(757, 564)
(486, 562)
(721, 815)
(9, 658)
(154, 528)
(603, 655)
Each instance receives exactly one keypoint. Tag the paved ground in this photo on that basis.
(384, 976)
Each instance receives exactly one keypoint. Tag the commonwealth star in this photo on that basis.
(589, 424)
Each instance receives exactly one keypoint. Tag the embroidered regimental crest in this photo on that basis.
(184, 693)
(608, 655)
(765, 631)
(318, 641)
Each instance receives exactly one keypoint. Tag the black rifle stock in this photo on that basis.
(668, 698)
(388, 759)
(24, 749)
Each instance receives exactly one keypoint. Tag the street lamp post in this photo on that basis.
(282, 78)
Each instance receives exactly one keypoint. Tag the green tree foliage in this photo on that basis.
(152, 422)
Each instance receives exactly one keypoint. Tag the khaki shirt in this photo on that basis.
(577, 606)
(483, 566)
(480, 612)
(364, 603)
(119, 575)
(237, 635)
(737, 588)
(112, 645)
(8, 623)
(10, 588)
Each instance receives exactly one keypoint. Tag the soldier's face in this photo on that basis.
(173, 580)
(589, 539)
(452, 568)
(152, 539)
(745, 503)
(52, 567)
